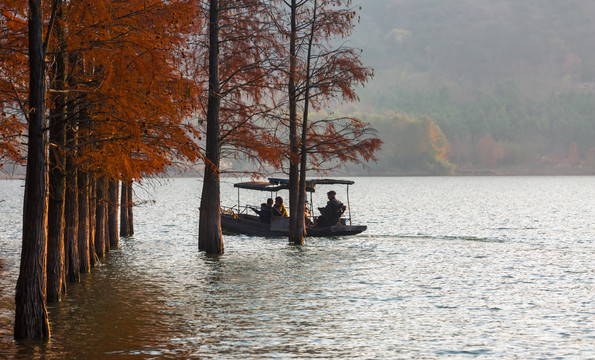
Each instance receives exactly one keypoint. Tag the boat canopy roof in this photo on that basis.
(276, 184)
(332, 182)
(260, 185)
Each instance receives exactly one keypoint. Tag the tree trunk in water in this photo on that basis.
(129, 209)
(92, 218)
(71, 217)
(300, 230)
(295, 236)
(126, 215)
(73, 193)
(56, 265)
(112, 214)
(124, 210)
(105, 200)
(83, 225)
(100, 219)
(130, 225)
(31, 318)
(210, 238)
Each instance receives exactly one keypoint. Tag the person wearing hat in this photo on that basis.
(331, 213)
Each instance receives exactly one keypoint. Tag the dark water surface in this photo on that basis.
(483, 267)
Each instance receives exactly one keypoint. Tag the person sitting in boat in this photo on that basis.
(279, 208)
(265, 211)
(307, 221)
(332, 212)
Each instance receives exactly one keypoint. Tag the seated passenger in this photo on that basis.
(279, 208)
(265, 211)
(332, 212)
(307, 221)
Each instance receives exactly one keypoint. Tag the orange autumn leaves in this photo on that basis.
(125, 88)
(13, 63)
(126, 67)
(136, 81)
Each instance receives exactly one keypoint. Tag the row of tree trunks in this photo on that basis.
(83, 210)
(90, 223)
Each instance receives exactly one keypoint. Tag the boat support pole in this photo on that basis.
(239, 201)
(348, 206)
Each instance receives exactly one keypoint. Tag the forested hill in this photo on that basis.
(510, 83)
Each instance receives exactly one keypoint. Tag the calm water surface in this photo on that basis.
(494, 267)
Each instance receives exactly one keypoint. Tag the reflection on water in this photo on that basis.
(449, 268)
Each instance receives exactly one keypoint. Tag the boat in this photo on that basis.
(239, 219)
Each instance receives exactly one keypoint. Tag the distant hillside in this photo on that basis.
(542, 46)
(519, 72)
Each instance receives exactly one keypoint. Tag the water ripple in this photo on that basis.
(450, 268)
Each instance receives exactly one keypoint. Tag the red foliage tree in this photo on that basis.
(122, 95)
(320, 72)
(13, 80)
(239, 51)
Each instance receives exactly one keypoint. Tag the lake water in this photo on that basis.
(450, 267)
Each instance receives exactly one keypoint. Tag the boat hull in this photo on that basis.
(251, 225)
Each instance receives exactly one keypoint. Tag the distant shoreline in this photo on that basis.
(462, 172)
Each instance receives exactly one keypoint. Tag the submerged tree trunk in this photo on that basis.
(72, 212)
(83, 222)
(124, 196)
(295, 235)
(210, 238)
(126, 225)
(100, 219)
(129, 208)
(105, 200)
(31, 318)
(92, 218)
(112, 214)
(300, 230)
(56, 266)
(124, 210)
(71, 219)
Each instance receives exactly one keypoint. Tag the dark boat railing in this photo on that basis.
(273, 185)
(236, 210)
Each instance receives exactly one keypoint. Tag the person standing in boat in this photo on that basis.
(279, 208)
(331, 213)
